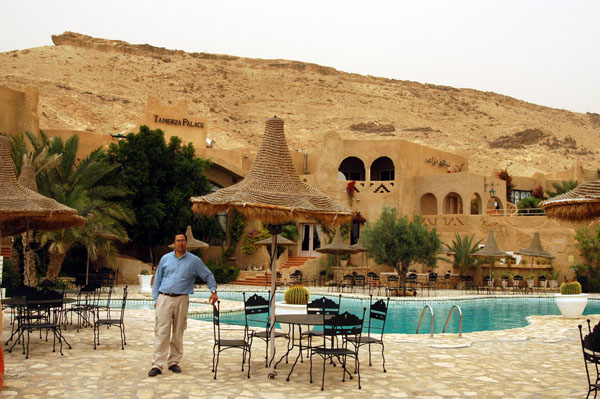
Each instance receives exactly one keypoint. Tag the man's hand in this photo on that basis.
(213, 298)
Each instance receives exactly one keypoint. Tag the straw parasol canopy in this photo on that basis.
(22, 209)
(273, 191)
(192, 243)
(535, 250)
(281, 240)
(581, 203)
(490, 250)
(337, 246)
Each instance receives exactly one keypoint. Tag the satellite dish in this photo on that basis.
(341, 176)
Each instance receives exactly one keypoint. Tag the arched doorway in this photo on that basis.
(494, 206)
(382, 169)
(453, 204)
(476, 205)
(428, 204)
(353, 168)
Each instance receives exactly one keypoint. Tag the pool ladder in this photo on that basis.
(460, 323)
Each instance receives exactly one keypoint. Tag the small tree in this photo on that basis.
(463, 248)
(394, 241)
(563, 187)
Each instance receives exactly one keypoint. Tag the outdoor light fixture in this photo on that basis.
(485, 184)
(492, 191)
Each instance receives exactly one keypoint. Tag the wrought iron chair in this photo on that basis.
(375, 329)
(108, 320)
(324, 306)
(517, 281)
(257, 312)
(343, 326)
(591, 358)
(373, 282)
(392, 284)
(220, 344)
(87, 302)
(296, 277)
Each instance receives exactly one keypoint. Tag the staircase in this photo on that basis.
(260, 279)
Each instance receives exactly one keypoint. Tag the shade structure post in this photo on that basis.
(274, 230)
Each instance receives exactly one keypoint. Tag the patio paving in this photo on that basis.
(542, 360)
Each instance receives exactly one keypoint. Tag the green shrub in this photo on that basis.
(222, 271)
(10, 277)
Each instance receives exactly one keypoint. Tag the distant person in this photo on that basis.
(173, 282)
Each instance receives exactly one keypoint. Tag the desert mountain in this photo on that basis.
(102, 85)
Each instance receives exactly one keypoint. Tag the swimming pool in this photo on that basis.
(482, 314)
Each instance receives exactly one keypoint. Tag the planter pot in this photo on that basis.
(504, 283)
(544, 283)
(344, 263)
(571, 306)
(553, 283)
(145, 280)
(530, 283)
(282, 308)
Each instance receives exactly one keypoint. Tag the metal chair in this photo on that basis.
(108, 321)
(373, 282)
(296, 277)
(392, 284)
(590, 346)
(375, 329)
(517, 280)
(220, 344)
(344, 326)
(257, 312)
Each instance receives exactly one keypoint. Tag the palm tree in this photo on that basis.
(79, 185)
(463, 248)
(563, 187)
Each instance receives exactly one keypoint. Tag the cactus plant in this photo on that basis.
(297, 295)
(572, 288)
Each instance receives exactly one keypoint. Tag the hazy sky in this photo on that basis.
(545, 52)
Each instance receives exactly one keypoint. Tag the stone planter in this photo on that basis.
(504, 283)
(282, 308)
(553, 283)
(530, 283)
(145, 281)
(571, 306)
(544, 283)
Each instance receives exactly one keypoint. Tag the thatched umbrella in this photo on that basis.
(22, 209)
(337, 247)
(192, 243)
(535, 250)
(581, 203)
(281, 240)
(491, 251)
(274, 193)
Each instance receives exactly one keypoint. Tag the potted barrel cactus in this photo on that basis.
(296, 298)
(571, 301)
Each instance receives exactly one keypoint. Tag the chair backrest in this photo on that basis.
(256, 308)
(324, 305)
(123, 303)
(541, 278)
(359, 280)
(377, 315)
(412, 277)
(217, 321)
(343, 324)
(433, 277)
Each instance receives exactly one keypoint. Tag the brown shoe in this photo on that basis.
(175, 368)
(154, 371)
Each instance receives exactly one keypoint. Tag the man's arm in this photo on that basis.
(205, 274)
(158, 275)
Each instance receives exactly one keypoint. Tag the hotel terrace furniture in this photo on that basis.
(106, 319)
(257, 313)
(221, 344)
(375, 329)
(590, 345)
(340, 328)
(321, 305)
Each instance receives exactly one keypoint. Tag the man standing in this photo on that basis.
(173, 282)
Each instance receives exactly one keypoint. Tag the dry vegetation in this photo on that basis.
(102, 85)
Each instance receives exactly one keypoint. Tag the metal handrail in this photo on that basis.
(460, 319)
(421, 319)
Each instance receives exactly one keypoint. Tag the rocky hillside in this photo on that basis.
(102, 85)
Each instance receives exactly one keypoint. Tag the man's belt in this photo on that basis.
(173, 295)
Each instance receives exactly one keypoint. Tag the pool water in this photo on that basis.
(483, 314)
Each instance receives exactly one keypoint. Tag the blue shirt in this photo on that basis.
(177, 275)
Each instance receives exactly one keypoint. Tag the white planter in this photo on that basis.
(145, 281)
(530, 283)
(504, 283)
(553, 283)
(571, 306)
(282, 308)
(544, 283)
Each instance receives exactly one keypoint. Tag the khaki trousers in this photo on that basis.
(170, 319)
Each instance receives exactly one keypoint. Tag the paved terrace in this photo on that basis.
(542, 360)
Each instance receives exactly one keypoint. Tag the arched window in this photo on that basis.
(382, 169)
(428, 204)
(494, 206)
(353, 169)
(453, 204)
(476, 205)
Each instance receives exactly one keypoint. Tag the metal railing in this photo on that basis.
(460, 319)
(421, 319)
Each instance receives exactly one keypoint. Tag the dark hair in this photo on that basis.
(180, 234)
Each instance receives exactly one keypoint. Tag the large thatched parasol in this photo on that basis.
(22, 209)
(581, 203)
(535, 250)
(281, 240)
(491, 251)
(192, 243)
(337, 247)
(273, 192)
